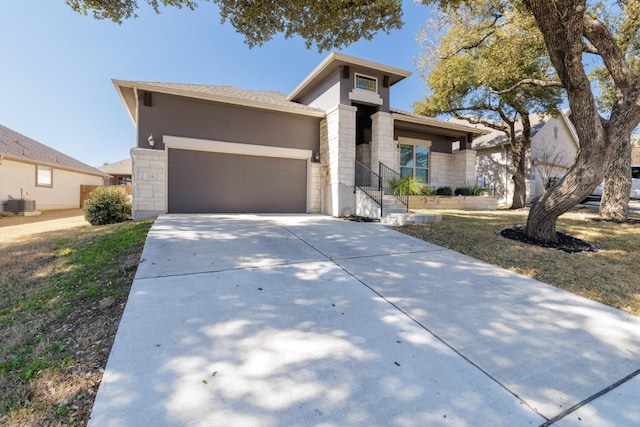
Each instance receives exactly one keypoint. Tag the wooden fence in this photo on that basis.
(86, 189)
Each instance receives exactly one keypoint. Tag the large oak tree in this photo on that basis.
(474, 69)
(571, 30)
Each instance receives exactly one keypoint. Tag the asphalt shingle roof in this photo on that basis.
(256, 96)
(123, 167)
(14, 144)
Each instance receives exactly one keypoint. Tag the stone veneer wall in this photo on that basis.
(315, 188)
(443, 170)
(467, 203)
(149, 183)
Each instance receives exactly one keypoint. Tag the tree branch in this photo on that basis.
(535, 82)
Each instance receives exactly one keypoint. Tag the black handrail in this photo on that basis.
(370, 183)
(389, 177)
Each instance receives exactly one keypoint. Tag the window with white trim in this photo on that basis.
(44, 176)
(366, 83)
(414, 162)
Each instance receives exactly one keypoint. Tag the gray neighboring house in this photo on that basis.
(119, 172)
(554, 146)
(219, 149)
(33, 171)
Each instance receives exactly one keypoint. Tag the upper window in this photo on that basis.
(366, 83)
(44, 176)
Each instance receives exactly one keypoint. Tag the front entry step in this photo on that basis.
(401, 219)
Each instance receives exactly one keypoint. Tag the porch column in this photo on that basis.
(338, 156)
(383, 147)
(465, 167)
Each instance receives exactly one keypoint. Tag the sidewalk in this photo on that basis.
(308, 320)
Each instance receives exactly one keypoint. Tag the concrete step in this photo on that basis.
(401, 219)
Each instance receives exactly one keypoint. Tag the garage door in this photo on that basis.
(207, 182)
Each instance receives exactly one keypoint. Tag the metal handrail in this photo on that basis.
(369, 183)
(388, 177)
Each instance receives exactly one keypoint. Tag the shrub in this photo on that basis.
(469, 190)
(407, 185)
(107, 205)
(444, 191)
(427, 190)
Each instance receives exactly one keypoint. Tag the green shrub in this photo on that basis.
(469, 190)
(107, 205)
(407, 185)
(428, 190)
(444, 191)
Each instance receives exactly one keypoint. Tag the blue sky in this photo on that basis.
(56, 67)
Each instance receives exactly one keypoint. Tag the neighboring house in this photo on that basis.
(31, 170)
(554, 146)
(635, 150)
(203, 148)
(119, 172)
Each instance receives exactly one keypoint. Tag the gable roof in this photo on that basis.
(225, 94)
(497, 138)
(19, 147)
(337, 60)
(122, 167)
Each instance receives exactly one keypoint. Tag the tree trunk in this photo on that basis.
(519, 181)
(562, 24)
(520, 160)
(614, 205)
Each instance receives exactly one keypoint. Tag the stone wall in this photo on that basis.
(149, 183)
(443, 170)
(315, 188)
(466, 203)
(383, 147)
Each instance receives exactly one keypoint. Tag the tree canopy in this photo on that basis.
(326, 23)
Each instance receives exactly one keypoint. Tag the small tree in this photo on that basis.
(107, 205)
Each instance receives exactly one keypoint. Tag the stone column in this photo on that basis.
(149, 183)
(338, 155)
(465, 165)
(383, 147)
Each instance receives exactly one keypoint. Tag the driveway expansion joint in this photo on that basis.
(590, 399)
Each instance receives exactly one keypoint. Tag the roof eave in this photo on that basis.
(439, 124)
(217, 98)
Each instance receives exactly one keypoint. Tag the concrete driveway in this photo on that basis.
(252, 320)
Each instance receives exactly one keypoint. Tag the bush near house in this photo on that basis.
(408, 185)
(469, 190)
(107, 205)
(444, 191)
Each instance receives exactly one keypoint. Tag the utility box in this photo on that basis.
(21, 205)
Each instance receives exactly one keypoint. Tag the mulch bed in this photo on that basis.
(565, 242)
(357, 218)
(633, 221)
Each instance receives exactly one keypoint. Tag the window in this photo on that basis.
(414, 161)
(44, 176)
(366, 83)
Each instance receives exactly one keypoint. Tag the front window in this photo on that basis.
(366, 83)
(414, 162)
(44, 176)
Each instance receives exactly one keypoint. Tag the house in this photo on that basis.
(30, 170)
(554, 146)
(204, 148)
(635, 150)
(119, 172)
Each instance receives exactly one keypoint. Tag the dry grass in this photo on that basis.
(62, 294)
(609, 276)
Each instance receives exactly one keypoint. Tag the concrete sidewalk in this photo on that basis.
(249, 320)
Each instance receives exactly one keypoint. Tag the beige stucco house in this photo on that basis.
(554, 146)
(31, 170)
(204, 148)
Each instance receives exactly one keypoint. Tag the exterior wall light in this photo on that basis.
(152, 142)
(316, 156)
